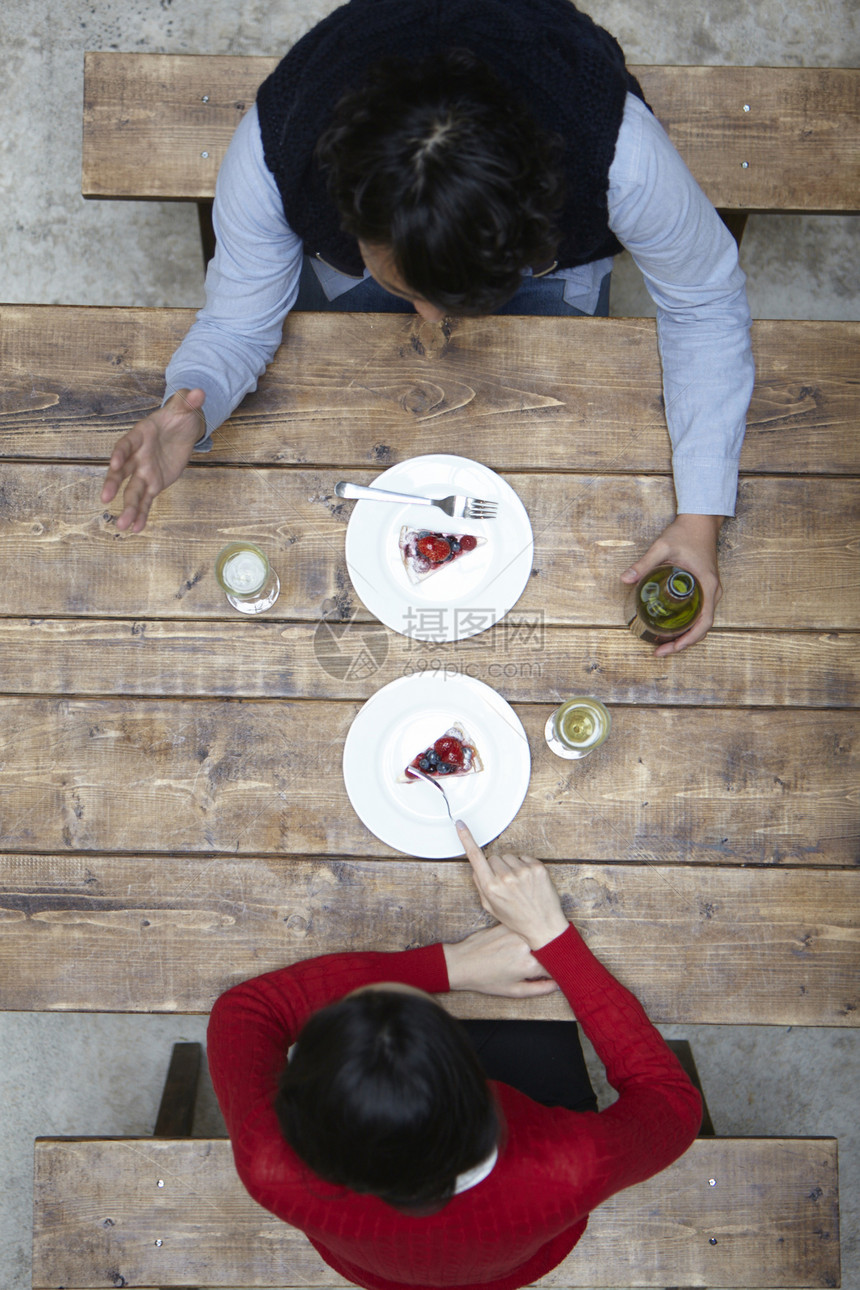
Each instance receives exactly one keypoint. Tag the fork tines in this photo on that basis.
(476, 509)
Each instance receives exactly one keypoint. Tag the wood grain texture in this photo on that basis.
(789, 559)
(333, 659)
(671, 785)
(773, 1214)
(800, 137)
(157, 126)
(169, 934)
(370, 390)
(149, 118)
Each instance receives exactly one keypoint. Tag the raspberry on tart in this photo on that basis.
(424, 551)
(453, 753)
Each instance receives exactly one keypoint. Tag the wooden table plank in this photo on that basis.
(673, 785)
(773, 1214)
(521, 657)
(162, 934)
(698, 779)
(788, 560)
(158, 126)
(369, 390)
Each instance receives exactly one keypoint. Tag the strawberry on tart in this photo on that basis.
(452, 754)
(425, 552)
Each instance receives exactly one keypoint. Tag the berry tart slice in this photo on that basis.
(453, 753)
(425, 552)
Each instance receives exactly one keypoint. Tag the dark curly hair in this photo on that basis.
(384, 1094)
(438, 162)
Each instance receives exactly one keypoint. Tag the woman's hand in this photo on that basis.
(496, 961)
(518, 891)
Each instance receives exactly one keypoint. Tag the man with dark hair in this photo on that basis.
(465, 157)
(464, 190)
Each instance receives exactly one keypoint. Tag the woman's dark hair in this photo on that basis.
(440, 163)
(384, 1094)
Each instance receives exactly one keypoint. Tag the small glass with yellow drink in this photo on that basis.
(578, 727)
(246, 578)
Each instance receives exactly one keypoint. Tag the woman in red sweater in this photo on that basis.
(382, 1140)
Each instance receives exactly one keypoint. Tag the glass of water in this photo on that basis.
(578, 727)
(246, 577)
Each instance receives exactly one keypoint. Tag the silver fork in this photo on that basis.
(428, 779)
(458, 506)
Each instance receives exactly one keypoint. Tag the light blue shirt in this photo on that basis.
(657, 211)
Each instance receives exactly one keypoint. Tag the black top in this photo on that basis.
(570, 72)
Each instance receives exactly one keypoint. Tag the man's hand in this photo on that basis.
(153, 454)
(496, 961)
(518, 891)
(690, 542)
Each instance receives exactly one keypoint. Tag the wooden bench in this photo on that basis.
(758, 139)
(170, 1211)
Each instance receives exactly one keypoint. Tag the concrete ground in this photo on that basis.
(101, 1075)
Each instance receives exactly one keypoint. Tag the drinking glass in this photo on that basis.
(246, 578)
(578, 727)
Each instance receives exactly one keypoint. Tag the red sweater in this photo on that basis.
(554, 1167)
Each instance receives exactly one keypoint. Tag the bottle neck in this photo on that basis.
(680, 585)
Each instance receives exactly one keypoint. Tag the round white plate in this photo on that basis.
(467, 596)
(404, 718)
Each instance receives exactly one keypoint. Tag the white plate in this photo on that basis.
(469, 595)
(400, 721)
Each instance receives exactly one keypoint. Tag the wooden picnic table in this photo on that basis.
(172, 808)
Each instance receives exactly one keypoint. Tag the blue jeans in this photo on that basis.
(536, 296)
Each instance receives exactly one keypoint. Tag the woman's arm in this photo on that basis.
(658, 1112)
(496, 961)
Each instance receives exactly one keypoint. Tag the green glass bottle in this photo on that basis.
(664, 604)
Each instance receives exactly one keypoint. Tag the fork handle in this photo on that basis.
(344, 489)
